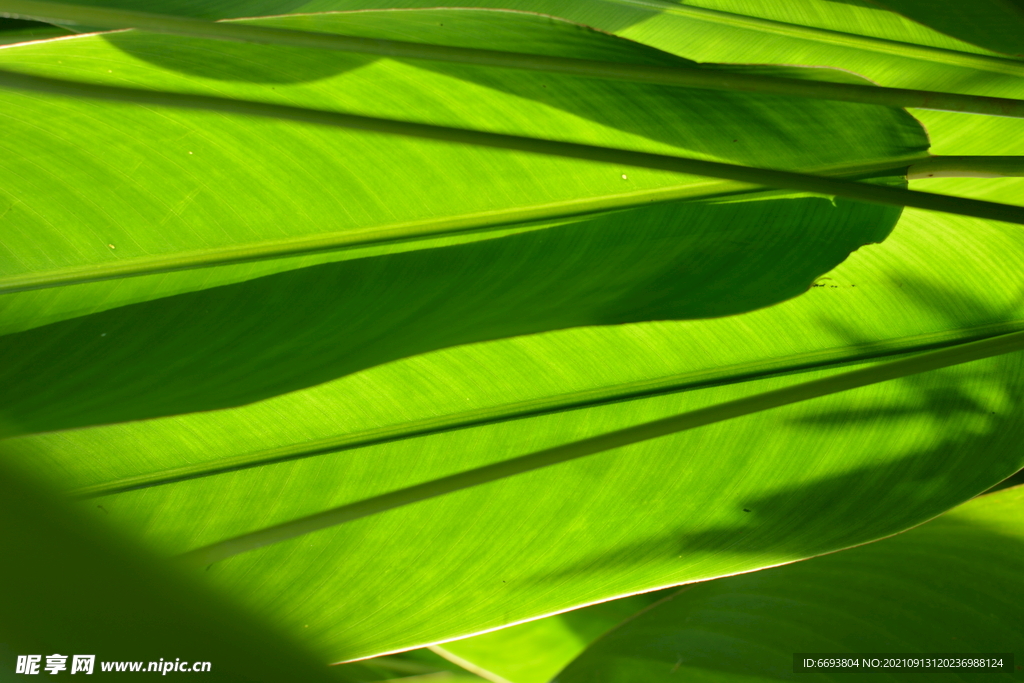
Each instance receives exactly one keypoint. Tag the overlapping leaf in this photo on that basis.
(950, 586)
(814, 477)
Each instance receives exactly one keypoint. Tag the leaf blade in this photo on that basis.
(162, 212)
(927, 444)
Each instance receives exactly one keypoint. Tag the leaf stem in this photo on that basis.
(967, 167)
(883, 372)
(693, 77)
(786, 180)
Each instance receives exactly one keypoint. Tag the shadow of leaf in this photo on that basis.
(235, 344)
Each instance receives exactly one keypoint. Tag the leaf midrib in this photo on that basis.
(835, 357)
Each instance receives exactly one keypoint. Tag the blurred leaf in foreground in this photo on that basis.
(71, 588)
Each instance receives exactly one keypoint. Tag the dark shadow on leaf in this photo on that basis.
(239, 62)
(239, 343)
(251, 63)
(730, 126)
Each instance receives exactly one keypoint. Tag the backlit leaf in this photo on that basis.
(949, 586)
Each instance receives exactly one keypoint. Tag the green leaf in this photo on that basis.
(834, 23)
(816, 477)
(809, 31)
(949, 586)
(769, 178)
(674, 424)
(824, 475)
(820, 30)
(692, 76)
(70, 587)
(997, 25)
(188, 184)
(882, 46)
